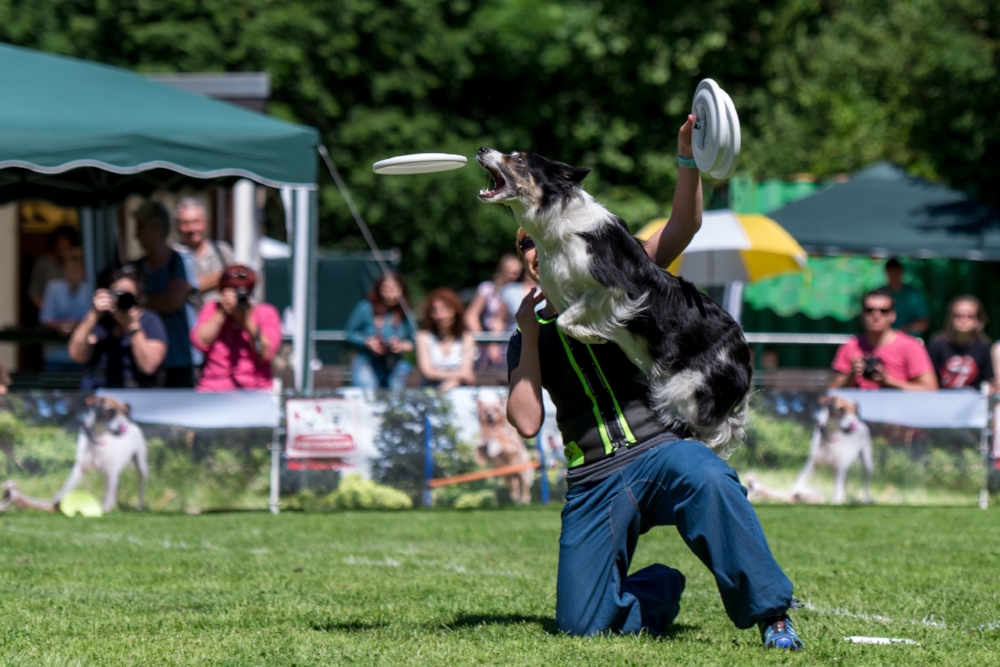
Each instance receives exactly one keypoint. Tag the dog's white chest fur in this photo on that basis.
(566, 274)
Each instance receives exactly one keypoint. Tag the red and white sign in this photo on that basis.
(322, 428)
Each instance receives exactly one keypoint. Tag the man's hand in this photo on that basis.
(684, 137)
(128, 320)
(879, 375)
(525, 316)
(103, 302)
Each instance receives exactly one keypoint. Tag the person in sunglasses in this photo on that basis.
(627, 472)
(238, 336)
(881, 357)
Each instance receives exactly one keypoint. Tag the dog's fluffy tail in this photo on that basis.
(675, 399)
(728, 436)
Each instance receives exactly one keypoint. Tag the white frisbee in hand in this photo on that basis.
(419, 163)
(716, 138)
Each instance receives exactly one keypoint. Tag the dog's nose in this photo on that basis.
(482, 149)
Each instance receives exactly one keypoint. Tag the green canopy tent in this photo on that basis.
(87, 135)
(942, 235)
(882, 210)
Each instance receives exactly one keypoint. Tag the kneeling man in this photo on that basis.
(629, 473)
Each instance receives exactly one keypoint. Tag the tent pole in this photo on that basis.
(244, 222)
(89, 246)
(732, 299)
(303, 285)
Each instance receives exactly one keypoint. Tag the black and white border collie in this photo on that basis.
(605, 287)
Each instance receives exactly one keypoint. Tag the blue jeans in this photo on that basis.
(683, 484)
(369, 373)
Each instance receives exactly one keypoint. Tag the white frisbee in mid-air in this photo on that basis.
(419, 163)
(716, 137)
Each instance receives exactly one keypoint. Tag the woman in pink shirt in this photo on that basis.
(239, 337)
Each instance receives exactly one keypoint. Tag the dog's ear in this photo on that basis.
(568, 172)
(852, 407)
(91, 400)
(826, 400)
(577, 174)
(127, 409)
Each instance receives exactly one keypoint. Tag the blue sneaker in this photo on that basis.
(777, 632)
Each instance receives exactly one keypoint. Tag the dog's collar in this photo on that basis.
(90, 433)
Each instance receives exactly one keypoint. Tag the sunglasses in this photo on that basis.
(525, 244)
(884, 311)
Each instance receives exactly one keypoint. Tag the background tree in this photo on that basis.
(822, 86)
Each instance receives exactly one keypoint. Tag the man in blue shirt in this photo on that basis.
(65, 303)
(167, 287)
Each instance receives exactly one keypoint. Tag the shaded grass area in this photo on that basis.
(477, 587)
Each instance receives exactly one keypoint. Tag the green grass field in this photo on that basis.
(477, 587)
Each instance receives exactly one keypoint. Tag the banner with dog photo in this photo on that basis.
(175, 450)
(355, 448)
(817, 447)
(130, 449)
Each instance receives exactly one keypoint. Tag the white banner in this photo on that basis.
(184, 407)
(951, 408)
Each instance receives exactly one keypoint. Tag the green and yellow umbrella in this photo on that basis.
(731, 246)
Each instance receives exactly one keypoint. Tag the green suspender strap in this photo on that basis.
(618, 411)
(608, 447)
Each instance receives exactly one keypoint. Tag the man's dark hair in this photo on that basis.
(153, 212)
(63, 232)
(893, 263)
(880, 292)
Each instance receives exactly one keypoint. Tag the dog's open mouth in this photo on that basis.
(497, 183)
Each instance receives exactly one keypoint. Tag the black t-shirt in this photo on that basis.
(601, 399)
(112, 364)
(958, 366)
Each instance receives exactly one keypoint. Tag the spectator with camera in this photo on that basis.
(239, 337)
(381, 334)
(881, 357)
(121, 343)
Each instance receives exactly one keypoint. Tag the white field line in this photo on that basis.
(927, 622)
(385, 562)
(459, 569)
(164, 543)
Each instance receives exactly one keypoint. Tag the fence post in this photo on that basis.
(276, 445)
(544, 487)
(428, 460)
(984, 445)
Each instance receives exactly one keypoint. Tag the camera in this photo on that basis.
(871, 366)
(242, 298)
(124, 301)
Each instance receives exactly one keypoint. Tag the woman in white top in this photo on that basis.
(488, 312)
(445, 350)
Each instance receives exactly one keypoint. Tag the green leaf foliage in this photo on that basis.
(821, 87)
